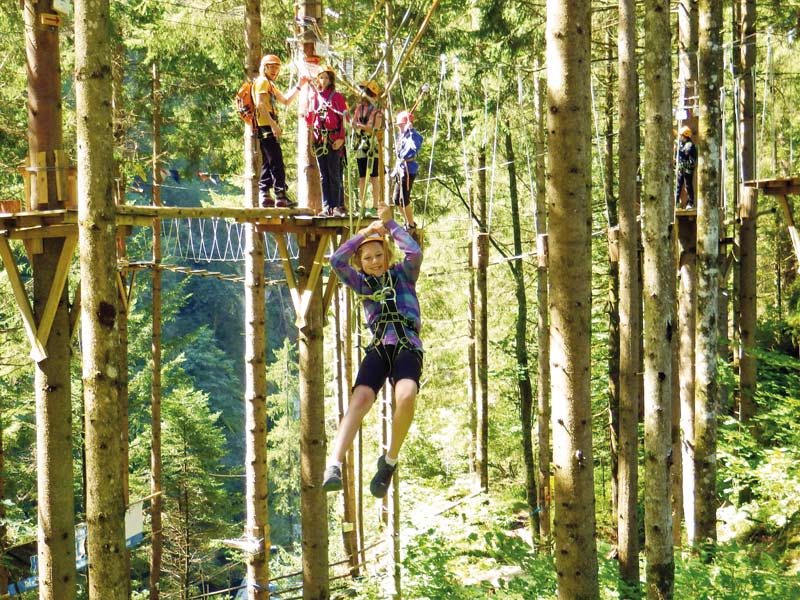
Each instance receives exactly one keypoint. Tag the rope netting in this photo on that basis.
(214, 240)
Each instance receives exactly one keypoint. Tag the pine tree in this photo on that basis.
(569, 201)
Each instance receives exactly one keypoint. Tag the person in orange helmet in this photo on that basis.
(273, 170)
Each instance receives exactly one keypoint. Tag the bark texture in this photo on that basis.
(708, 230)
(748, 208)
(313, 502)
(629, 295)
(524, 386)
(56, 526)
(105, 504)
(569, 203)
(658, 300)
(542, 322)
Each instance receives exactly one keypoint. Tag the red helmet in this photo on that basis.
(403, 117)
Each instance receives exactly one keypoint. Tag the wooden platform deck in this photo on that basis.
(60, 223)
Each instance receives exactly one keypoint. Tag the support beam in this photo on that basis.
(301, 297)
(56, 288)
(38, 352)
(787, 214)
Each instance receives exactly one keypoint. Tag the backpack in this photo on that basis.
(245, 106)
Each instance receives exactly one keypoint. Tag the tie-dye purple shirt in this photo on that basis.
(404, 274)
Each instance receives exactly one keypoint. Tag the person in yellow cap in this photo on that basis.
(391, 308)
(273, 170)
(687, 161)
(367, 125)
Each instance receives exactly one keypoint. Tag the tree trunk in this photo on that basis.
(687, 280)
(568, 38)
(105, 510)
(708, 225)
(472, 382)
(682, 495)
(255, 400)
(117, 96)
(613, 274)
(257, 524)
(482, 332)
(155, 391)
(521, 347)
(344, 373)
(748, 207)
(658, 300)
(629, 298)
(309, 190)
(313, 504)
(56, 512)
(543, 320)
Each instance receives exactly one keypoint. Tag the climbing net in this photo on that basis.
(214, 240)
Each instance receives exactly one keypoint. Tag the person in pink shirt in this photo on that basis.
(326, 118)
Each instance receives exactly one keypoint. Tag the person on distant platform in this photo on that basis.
(392, 312)
(367, 125)
(406, 147)
(687, 161)
(326, 116)
(273, 170)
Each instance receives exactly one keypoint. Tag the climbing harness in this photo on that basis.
(322, 135)
(385, 294)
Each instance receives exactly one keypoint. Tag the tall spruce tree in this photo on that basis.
(105, 505)
(658, 299)
(569, 200)
(708, 228)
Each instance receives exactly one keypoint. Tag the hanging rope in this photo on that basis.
(442, 73)
(405, 54)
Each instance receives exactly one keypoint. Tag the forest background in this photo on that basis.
(480, 122)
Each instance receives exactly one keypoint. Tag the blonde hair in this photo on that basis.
(388, 255)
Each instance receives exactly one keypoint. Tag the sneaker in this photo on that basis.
(266, 200)
(283, 201)
(690, 206)
(325, 212)
(340, 212)
(383, 477)
(332, 479)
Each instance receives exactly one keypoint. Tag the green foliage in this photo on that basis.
(736, 572)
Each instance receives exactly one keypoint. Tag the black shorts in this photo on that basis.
(402, 189)
(363, 163)
(389, 361)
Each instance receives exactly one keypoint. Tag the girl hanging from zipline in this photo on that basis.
(392, 312)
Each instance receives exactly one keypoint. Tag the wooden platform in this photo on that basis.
(782, 187)
(59, 223)
(314, 235)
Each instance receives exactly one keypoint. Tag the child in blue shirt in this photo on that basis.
(407, 145)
